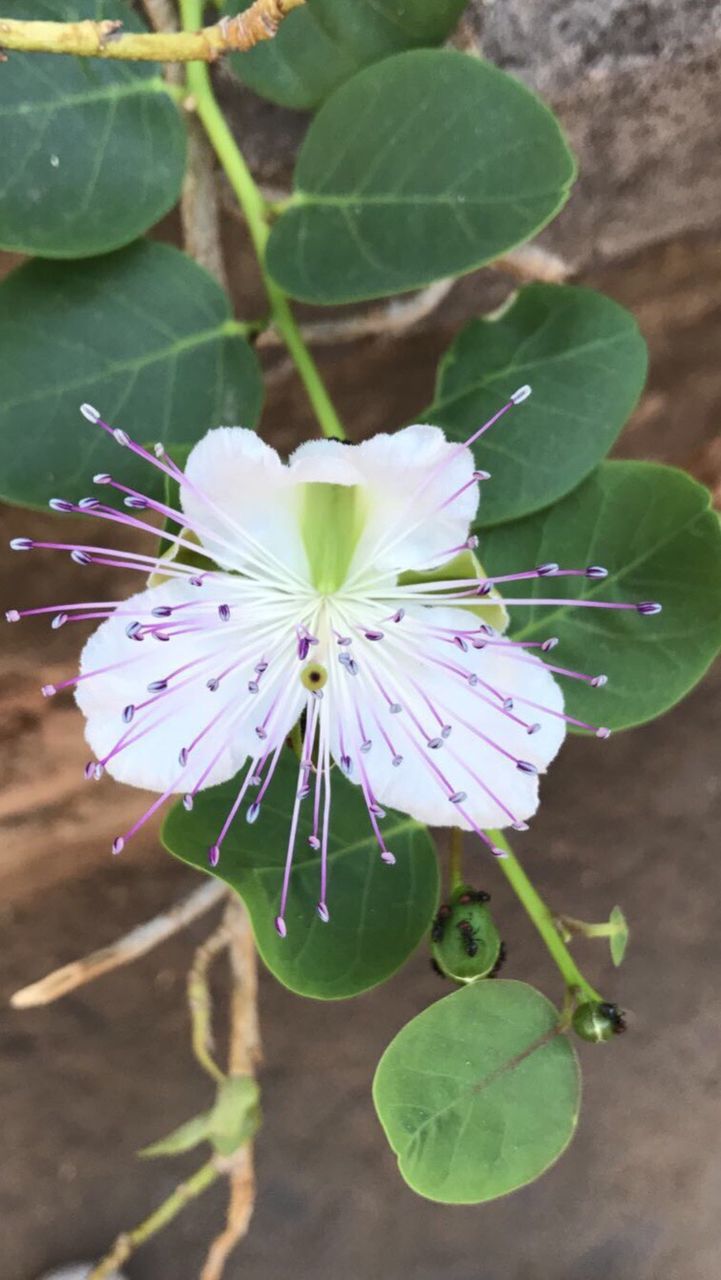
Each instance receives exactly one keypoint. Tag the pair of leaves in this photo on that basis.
(231, 1122)
(325, 42)
(378, 914)
(479, 1094)
(93, 150)
(146, 335)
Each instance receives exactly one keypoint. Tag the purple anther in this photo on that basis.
(399, 615)
(598, 682)
(472, 542)
(533, 728)
(88, 504)
(596, 571)
(434, 744)
(303, 648)
(472, 679)
(396, 761)
(90, 413)
(118, 844)
(21, 544)
(484, 589)
(260, 732)
(462, 644)
(135, 502)
(157, 686)
(132, 630)
(48, 690)
(188, 801)
(366, 746)
(280, 926)
(120, 436)
(81, 557)
(98, 771)
(373, 635)
(458, 797)
(253, 686)
(387, 857)
(525, 766)
(346, 765)
(59, 621)
(481, 475)
(508, 704)
(102, 477)
(376, 809)
(128, 713)
(60, 504)
(252, 812)
(161, 611)
(323, 912)
(520, 395)
(519, 826)
(224, 612)
(446, 731)
(212, 684)
(549, 644)
(183, 757)
(395, 708)
(649, 607)
(260, 667)
(89, 770)
(547, 570)
(314, 842)
(213, 855)
(12, 615)
(603, 732)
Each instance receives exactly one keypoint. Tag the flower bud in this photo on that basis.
(465, 943)
(597, 1020)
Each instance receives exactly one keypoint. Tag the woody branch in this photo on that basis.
(108, 39)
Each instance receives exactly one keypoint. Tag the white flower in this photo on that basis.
(304, 612)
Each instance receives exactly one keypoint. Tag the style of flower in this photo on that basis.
(318, 608)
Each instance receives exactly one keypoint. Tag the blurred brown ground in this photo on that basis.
(84, 1083)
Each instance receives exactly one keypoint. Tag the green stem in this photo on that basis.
(125, 1244)
(542, 918)
(256, 212)
(455, 859)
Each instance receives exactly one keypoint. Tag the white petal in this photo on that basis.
(178, 716)
(241, 500)
(471, 758)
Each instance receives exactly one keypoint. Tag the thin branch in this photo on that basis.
(126, 1243)
(199, 1001)
(199, 211)
(106, 39)
(391, 319)
(135, 944)
(240, 1210)
(531, 262)
(161, 14)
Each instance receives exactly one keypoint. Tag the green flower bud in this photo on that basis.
(598, 1020)
(465, 943)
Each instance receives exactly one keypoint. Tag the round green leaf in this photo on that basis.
(325, 42)
(586, 362)
(479, 1094)
(144, 334)
(378, 914)
(655, 531)
(93, 151)
(427, 164)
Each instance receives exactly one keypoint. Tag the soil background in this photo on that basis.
(636, 820)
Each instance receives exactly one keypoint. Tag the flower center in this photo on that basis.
(332, 518)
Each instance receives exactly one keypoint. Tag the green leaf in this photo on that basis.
(655, 531)
(235, 1118)
(184, 1138)
(426, 165)
(93, 150)
(146, 335)
(378, 914)
(586, 362)
(618, 940)
(325, 42)
(479, 1094)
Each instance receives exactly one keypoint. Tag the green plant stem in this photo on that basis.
(126, 1243)
(257, 213)
(542, 918)
(455, 859)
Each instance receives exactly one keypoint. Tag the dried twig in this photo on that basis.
(106, 39)
(243, 1056)
(135, 944)
(199, 210)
